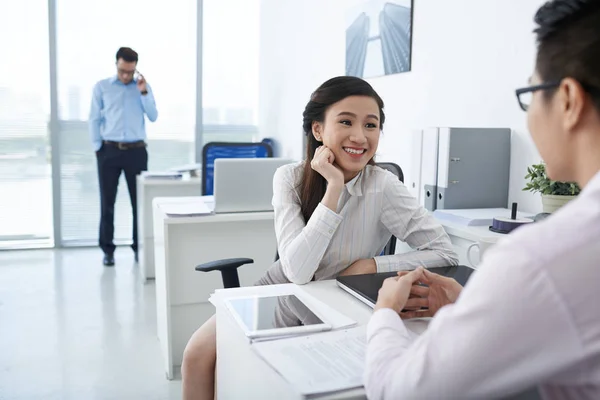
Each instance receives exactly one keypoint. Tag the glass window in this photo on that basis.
(230, 70)
(88, 35)
(25, 170)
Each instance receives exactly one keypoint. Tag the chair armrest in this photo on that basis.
(224, 265)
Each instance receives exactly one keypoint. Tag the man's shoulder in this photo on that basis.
(566, 242)
(104, 83)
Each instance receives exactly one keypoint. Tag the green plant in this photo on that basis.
(539, 182)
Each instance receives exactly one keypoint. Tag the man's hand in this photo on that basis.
(441, 291)
(395, 291)
(360, 267)
(141, 84)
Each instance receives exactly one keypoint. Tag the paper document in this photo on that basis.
(187, 168)
(187, 209)
(161, 175)
(209, 201)
(319, 363)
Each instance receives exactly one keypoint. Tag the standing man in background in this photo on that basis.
(118, 133)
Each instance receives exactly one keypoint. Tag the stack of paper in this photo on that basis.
(187, 209)
(161, 175)
(315, 362)
(192, 169)
(209, 201)
(319, 363)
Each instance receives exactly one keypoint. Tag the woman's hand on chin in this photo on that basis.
(322, 162)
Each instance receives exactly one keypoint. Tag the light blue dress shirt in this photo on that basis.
(117, 112)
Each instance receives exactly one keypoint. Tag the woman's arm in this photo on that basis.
(302, 245)
(411, 223)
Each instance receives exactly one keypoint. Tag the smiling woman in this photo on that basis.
(334, 212)
(343, 119)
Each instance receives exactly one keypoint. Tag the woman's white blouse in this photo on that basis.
(373, 206)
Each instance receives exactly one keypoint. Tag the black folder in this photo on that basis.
(365, 287)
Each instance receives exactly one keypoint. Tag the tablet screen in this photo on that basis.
(262, 313)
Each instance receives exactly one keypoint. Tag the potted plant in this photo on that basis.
(554, 194)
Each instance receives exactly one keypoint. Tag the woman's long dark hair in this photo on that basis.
(313, 185)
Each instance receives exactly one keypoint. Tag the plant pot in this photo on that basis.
(551, 203)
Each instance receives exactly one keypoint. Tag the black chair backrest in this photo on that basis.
(393, 168)
(390, 247)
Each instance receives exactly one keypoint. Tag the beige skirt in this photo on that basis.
(273, 276)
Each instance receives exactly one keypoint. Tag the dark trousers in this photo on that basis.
(111, 162)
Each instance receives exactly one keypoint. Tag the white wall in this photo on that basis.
(468, 57)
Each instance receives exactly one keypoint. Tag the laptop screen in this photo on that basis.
(245, 184)
(366, 287)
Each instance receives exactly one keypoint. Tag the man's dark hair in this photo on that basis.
(568, 37)
(127, 54)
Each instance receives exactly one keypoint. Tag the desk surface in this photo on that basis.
(253, 377)
(473, 233)
(211, 218)
(192, 181)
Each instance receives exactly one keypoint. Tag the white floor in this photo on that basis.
(71, 328)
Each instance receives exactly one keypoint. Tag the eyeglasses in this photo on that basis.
(524, 95)
(134, 73)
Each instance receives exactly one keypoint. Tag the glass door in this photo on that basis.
(89, 33)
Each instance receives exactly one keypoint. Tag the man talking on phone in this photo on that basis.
(117, 129)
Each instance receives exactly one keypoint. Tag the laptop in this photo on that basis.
(366, 287)
(244, 184)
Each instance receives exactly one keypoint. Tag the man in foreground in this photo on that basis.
(529, 316)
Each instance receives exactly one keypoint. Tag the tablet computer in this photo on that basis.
(275, 315)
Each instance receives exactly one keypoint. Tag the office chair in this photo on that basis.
(228, 267)
(213, 150)
(390, 247)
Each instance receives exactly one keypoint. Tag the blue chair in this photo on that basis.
(213, 150)
(228, 267)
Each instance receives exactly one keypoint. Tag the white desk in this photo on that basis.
(181, 243)
(242, 374)
(463, 236)
(147, 190)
